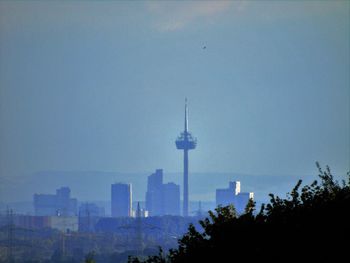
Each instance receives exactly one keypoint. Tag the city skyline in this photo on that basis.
(85, 87)
(161, 199)
(95, 140)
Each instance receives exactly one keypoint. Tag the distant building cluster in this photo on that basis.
(61, 223)
(61, 211)
(60, 204)
(233, 195)
(162, 199)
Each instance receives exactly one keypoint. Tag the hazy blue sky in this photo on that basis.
(101, 86)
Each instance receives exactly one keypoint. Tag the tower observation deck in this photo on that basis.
(185, 142)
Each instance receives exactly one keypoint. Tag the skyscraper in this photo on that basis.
(162, 199)
(171, 199)
(186, 142)
(121, 197)
(154, 203)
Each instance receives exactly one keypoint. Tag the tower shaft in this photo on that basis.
(186, 142)
(185, 204)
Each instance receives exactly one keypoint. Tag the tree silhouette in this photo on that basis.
(90, 258)
(312, 224)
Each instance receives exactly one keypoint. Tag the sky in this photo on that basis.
(101, 85)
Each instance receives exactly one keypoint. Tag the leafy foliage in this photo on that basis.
(310, 224)
(90, 258)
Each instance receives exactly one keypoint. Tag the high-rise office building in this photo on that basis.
(154, 202)
(233, 195)
(121, 197)
(171, 199)
(162, 199)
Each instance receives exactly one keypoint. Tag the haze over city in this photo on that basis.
(174, 131)
(100, 86)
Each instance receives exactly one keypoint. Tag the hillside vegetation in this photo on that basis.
(311, 223)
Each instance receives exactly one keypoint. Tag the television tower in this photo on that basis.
(185, 142)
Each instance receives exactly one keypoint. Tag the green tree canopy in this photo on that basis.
(311, 223)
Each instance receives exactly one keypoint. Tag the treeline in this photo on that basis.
(311, 224)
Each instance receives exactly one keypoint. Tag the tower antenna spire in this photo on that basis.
(186, 116)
